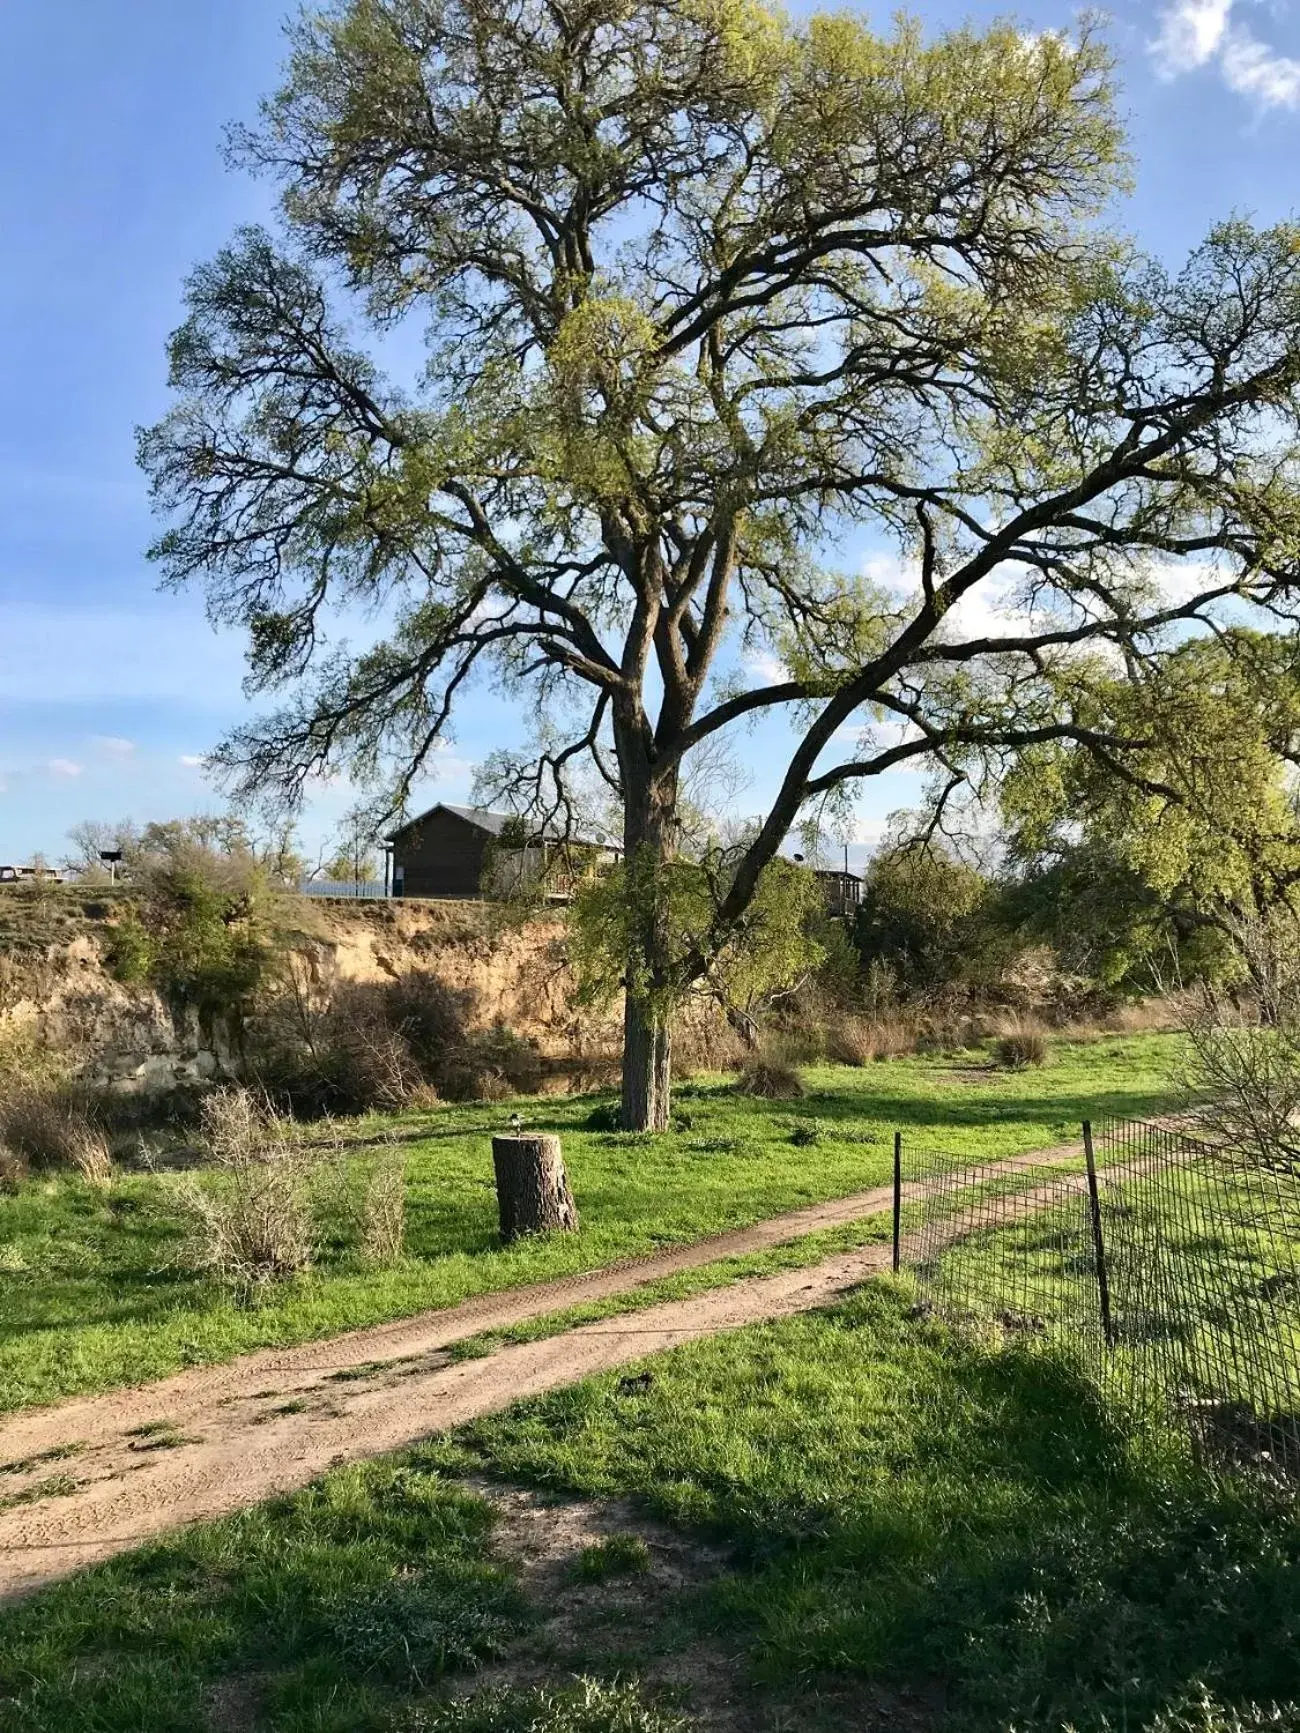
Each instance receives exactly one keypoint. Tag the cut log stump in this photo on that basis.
(533, 1195)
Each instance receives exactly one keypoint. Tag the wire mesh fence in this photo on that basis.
(1167, 1268)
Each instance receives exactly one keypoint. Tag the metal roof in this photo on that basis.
(494, 823)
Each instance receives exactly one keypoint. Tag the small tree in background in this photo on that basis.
(708, 294)
(206, 928)
(923, 916)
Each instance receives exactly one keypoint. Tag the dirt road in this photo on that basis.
(98, 1475)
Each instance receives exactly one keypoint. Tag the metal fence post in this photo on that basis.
(898, 1194)
(1098, 1239)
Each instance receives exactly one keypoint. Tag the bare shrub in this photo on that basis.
(1242, 1066)
(431, 1018)
(892, 1037)
(382, 1048)
(709, 1044)
(383, 1210)
(254, 1224)
(1020, 1048)
(90, 1155)
(770, 1080)
(851, 1041)
(49, 1127)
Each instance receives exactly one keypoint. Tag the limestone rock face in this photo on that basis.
(61, 995)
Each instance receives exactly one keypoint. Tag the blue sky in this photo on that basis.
(112, 187)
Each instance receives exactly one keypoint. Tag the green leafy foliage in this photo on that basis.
(781, 938)
(1146, 862)
(927, 918)
(204, 927)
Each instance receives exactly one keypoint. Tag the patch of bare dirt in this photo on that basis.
(631, 1624)
(233, 1704)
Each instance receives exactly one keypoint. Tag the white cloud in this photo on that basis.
(1197, 33)
(113, 746)
(1252, 69)
(1191, 32)
(193, 760)
(64, 767)
(770, 670)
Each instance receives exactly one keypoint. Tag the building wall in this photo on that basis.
(441, 856)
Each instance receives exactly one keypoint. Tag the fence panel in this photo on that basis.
(1176, 1280)
(1202, 1245)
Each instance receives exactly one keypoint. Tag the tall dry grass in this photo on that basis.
(254, 1225)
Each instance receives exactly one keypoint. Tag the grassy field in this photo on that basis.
(906, 1528)
(95, 1292)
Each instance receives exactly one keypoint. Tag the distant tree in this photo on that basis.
(206, 926)
(91, 839)
(708, 292)
(922, 916)
(1158, 860)
(352, 857)
(217, 834)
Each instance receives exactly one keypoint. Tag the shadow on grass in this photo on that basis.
(906, 1504)
(322, 1610)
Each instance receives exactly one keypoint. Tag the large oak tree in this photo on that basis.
(708, 297)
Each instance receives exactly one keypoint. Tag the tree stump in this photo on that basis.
(533, 1195)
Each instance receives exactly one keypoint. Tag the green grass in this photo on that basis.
(906, 1504)
(897, 1506)
(94, 1292)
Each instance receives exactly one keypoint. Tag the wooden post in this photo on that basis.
(898, 1196)
(533, 1195)
(1098, 1240)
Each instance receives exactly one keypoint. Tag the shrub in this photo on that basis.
(381, 1048)
(807, 1133)
(50, 1128)
(1204, 1713)
(254, 1226)
(850, 1041)
(606, 1116)
(587, 1706)
(1021, 1048)
(383, 1210)
(770, 1080)
(430, 1017)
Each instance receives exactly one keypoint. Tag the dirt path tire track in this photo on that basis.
(242, 1431)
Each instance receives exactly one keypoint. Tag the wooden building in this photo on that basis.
(842, 891)
(469, 851)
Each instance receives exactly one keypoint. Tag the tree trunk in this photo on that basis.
(533, 1195)
(647, 1067)
(649, 843)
